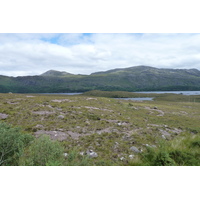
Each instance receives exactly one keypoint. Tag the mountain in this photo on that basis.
(138, 78)
(55, 73)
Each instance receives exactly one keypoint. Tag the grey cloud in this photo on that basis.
(29, 54)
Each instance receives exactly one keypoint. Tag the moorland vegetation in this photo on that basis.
(95, 129)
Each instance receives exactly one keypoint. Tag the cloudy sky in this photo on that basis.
(85, 53)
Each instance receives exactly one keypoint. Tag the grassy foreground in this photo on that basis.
(92, 130)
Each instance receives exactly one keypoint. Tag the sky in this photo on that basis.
(84, 53)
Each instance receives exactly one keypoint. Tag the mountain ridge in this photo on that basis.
(55, 73)
(135, 78)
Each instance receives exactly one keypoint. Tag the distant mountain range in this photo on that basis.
(138, 78)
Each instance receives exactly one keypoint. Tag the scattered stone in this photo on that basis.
(61, 117)
(163, 137)
(74, 135)
(165, 133)
(152, 146)
(3, 116)
(122, 158)
(170, 131)
(111, 120)
(61, 100)
(65, 154)
(56, 101)
(89, 107)
(176, 131)
(131, 156)
(39, 126)
(161, 113)
(43, 112)
(12, 103)
(135, 149)
(82, 153)
(184, 113)
(122, 123)
(91, 99)
(106, 130)
(87, 122)
(91, 154)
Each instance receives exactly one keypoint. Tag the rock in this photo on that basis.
(152, 146)
(65, 154)
(61, 117)
(116, 143)
(87, 122)
(131, 156)
(82, 153)
(163, 137)
(135, 149)
(122, 158)
(155, 107)
(39, 126)
(3, 116)
(91, 154)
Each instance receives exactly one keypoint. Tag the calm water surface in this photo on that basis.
(174, 92)
(63, 93)
(138, 99)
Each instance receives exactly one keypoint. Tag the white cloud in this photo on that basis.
(32, 54)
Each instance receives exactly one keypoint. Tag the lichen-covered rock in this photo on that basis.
(3, 116)
(135, 149)
(61, 117)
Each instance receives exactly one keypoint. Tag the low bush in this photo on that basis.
(12, 144)
(183, 151)
(43, 152)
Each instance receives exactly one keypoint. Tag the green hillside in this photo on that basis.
(139, 78)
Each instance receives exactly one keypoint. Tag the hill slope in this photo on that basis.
(139, 78)
(55, 73)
